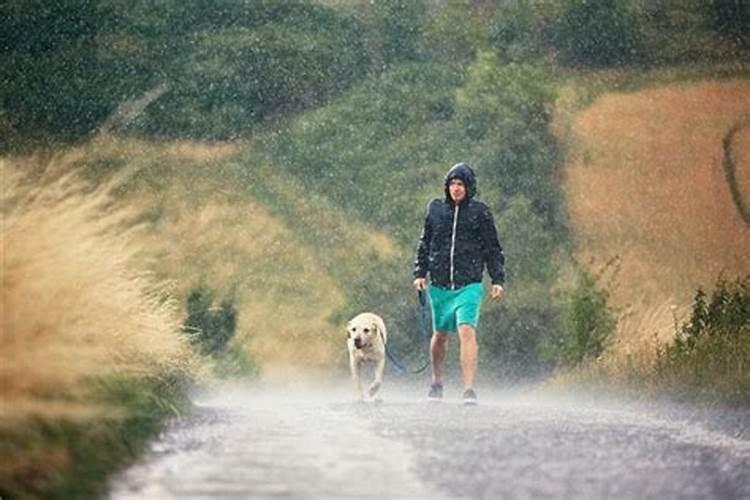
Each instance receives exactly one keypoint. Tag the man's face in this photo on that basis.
(457, 190)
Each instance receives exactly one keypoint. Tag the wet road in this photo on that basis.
(268, 444)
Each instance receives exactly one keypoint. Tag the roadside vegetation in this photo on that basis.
(706, 361)
(91, 354)
(212, 188)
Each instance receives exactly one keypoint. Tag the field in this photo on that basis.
(649, 200)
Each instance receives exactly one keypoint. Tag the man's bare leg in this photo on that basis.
(438, 351)
(467, 335)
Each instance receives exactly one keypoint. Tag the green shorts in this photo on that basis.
(451, 308)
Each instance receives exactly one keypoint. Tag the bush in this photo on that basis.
(599, 33)
(74, 457)
(229, 65)
(399, 24)
(727, 314)
(732, 19)
(210, 328)
(507, 109)
(587, 327)
(516, 31)
(233, 65)
(708, 359)
(57, 83)
(455, 32)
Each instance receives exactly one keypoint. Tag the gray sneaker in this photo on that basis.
(470, 398)
(436, 392)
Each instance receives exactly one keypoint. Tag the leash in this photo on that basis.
(426, 334)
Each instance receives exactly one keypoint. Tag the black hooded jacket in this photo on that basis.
(458, 241)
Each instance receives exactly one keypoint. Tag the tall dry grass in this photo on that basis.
(279, 251)
(644, 182)
(73, 303)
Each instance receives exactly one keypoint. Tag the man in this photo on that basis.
(458, 240)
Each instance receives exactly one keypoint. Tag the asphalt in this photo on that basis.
(316, 443)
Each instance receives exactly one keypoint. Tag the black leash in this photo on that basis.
(426, 334)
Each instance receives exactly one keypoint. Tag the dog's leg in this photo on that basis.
(375, 386)
(356, 367)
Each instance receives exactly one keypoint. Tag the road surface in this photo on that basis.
(269, 443)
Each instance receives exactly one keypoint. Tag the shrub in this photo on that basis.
(57, 82)
(454, 32)
(516, 30)
(507, 109)
(708, 359)
(598, 33)
(210, 328)
(587, 326)
(229, 64)
(727, 314)
(732, 19)
(399, 24)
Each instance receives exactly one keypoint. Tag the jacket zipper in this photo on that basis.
(453, 244)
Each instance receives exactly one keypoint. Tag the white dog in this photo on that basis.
(366, 338)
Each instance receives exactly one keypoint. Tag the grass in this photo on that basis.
(72, 457)
(78, 315)
(645, 186)
(215, 214)
(706, 361)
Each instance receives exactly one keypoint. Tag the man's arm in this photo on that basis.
(492, 251)
(421, 263)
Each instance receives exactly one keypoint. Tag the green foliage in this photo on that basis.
(210, 328)
(454, 32)
(726, 314)
(382, 139)
(732, 18)
(393, 139)
(235, 362)
(598, 33)
(497, 96)
(530, 244)
(511, 334)
(235, 64)
(588, 325)
(229, 64)
(516, 31)
(92, 448)
(708, 360)
(55, 80)
(399, 26)
(507, 108)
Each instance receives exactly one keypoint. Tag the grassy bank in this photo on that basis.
(91, 356)
(706, 362)
(72, 452)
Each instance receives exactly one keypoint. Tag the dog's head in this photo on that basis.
(363, 330)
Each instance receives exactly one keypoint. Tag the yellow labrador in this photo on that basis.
(365, 339)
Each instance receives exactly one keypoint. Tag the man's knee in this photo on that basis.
(466, 332)
(440, 337)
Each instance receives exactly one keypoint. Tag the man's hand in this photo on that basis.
(497, 292)
(420, 284)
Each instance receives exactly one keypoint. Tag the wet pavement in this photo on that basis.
(251, 442)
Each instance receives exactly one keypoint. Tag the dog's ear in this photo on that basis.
(375, 329)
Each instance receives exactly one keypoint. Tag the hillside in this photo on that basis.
(202, 226)
(646, 184)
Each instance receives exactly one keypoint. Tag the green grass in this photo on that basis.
(708, 362)
(59, 458)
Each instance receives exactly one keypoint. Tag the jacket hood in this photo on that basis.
(464, 172)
